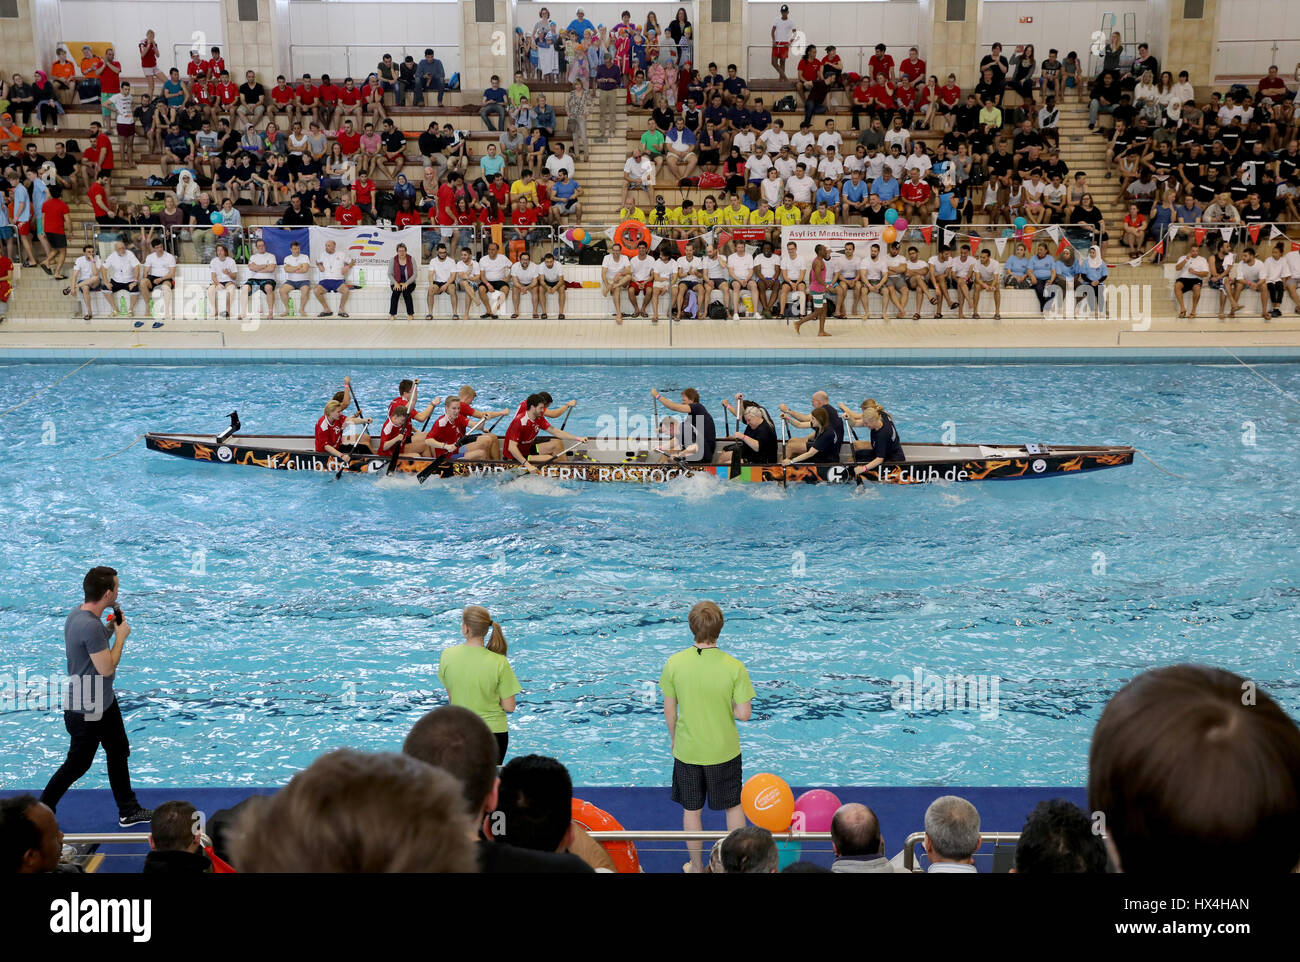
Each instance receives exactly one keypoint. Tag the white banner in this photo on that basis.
(366, 245)
(1001, 244)
(806, 237)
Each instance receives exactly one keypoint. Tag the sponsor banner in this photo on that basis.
(749, 233)
(806, 237)
(366, 245)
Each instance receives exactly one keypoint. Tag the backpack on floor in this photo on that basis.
(717, 312)
(786, 104)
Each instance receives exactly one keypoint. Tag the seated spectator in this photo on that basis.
(857, 842)
(1163, 754)
(175, 845)
(535, 808)
(494, 105)
(459, 742)
(1059, 839)
(357, 812)
(30, 840)
(952, 835)
(750, 851)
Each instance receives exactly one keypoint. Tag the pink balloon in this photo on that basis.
(814, 809)
(900, 224)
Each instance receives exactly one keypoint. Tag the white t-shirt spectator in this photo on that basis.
(333, 266)
(757, 166)
(523, 275)
(741, 266)
(783, 29)
(1271, 269)
(87, 267)
(875, 267)
(875, 166)
(831, 167)
(1189, 264)
(941, 266)
(919, 162)
(989, 272)
(1250, 273)
(715, 268)
(769, 265)
(802, 188)
(224, 269)
(296, 260)
(612, 265)
(495, 269)
(899, 137)
(441, 270)
(642, 268)
(896, 165)
(793, 267)
(551, 275)
(122, 107)
(772, 190)
(801, 142)
(122, 267)
(468, 271)
(640, 171)
(160, 265)
(830, 138)
(264, 263)
(773, 139)
(785, 166)
(664, 269)
(744, 141)
(690, 267)
(854, 162)
(962, 266)
(556, 164)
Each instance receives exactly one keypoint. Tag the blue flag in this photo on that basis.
(278, 240)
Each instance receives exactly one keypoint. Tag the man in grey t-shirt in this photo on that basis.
(91, 713)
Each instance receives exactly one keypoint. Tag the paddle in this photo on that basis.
(849, 423)
(566, 418)
(234, 426)
(428, 471)
(338, 474)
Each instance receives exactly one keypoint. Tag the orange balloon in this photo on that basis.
(768, 802)
(218, 229)
(889, 235)
(1029, 232)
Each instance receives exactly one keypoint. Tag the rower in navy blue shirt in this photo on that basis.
(819, 400)
(822, 447)
(699, 436)
(885, 447)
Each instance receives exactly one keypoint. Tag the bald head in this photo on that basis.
(821, 399)
(855, 830)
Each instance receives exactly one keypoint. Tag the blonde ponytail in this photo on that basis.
(479, 624)
(497, 642)
(871, 410)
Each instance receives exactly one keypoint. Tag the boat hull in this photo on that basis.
(925, 464)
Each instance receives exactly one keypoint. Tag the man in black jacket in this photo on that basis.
(459, 742)
(175, 841)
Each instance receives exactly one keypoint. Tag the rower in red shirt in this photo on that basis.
(449, 434)
(329, 430)
(467, 395)
(397, 433)
(408, 392)
(521, 439)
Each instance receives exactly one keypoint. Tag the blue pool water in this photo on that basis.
(277, 616)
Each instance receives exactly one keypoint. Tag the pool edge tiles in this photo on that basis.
(636, 356)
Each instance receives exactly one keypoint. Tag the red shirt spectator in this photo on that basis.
(307, 94)
(1272, 87)
(862, 93)
(149, 54)
(913, 70)
(882, 95)
(486, 217)
(406, 218)
(282, 95)
(198, 68)
(349, 96)
(881, 63)
(364, 189)
(110, 80)
(105, 148)
(525, 216)
(350, 141)
(915, 193)
(98, 197)
(810, 69)
(6, 268)
(350, 216)
(216, 66)
(922, 97)
(54, 212)
(950, 95)
(905, 96)
(205, 93)
(227, 93)
(446, 205)
(501, 191)
(329, 94)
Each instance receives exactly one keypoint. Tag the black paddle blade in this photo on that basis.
(234, 421)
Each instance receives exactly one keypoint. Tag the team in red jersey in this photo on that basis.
(448, 435)
(521, 442)
(329, 429)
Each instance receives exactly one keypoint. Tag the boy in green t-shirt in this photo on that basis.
(706, 691)
(518, 90)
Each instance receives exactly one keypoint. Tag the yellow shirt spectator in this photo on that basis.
(821, 219)
(735, 214)
(631, 213)
(709, 218)
(787, 215)
(762, 217)
(529, 190)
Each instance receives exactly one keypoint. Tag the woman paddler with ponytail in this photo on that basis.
(477, 675)
(884, 446)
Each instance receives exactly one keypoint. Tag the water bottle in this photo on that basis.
(289, 308)
(122, 305)
(748, 302)
(362, 278)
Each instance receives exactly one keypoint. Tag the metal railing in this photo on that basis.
(358, 61)
(1252, 58)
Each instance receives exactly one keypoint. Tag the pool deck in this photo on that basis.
(1023, 339)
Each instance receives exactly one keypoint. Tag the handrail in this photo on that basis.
(862, 51)
(666, 835)
(399, 50)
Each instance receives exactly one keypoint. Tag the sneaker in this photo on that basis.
(136, 816)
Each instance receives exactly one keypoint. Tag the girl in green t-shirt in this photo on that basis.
(478, 676)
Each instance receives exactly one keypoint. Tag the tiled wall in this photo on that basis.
(953, 45)
(486, 48)
(721, 42)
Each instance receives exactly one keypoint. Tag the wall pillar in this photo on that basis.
(486, 48)
(722, 42)
(952, 46)
(255, 41)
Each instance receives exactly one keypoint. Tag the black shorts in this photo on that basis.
(57, 241)
(263, 282)
(124, 286)
(720, 784)
(1186, 284)
(498, 285)
(159, 283)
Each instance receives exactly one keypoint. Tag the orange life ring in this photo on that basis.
(641, 235)
(595, 819)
